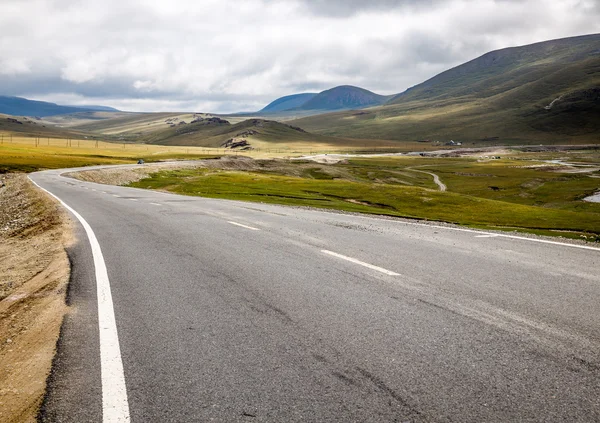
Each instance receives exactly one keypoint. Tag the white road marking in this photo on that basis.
(115, 406)
(132, 199)
(522, 238)
(362, 263)
(487, 236)
(243, 226)
(543, 241)
(115, 195)
(156, 204)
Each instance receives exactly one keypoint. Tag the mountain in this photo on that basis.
(511, 68)
(344, 97)
(287, 103)
(18, 106)
(546, 92)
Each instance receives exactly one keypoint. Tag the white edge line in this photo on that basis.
(243, 226)
(362, 263)
(522, 238)
(115, 406)
(487, 236)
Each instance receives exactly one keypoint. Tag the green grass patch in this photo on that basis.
(375, 198)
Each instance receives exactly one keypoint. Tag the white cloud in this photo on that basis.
(225, 56)
(14, 66)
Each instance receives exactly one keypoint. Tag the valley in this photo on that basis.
(299, 211)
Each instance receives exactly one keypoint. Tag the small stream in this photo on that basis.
(594, 198)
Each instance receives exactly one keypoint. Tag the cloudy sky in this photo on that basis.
(224, 56)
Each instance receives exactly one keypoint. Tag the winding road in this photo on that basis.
(215, 310)
(436, 178)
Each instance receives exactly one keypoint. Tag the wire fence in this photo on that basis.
(132, 149)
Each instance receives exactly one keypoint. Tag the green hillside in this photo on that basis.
(542, 93)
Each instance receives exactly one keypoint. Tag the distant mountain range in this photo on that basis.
(343, 97)
(545, 92)
(18, 106)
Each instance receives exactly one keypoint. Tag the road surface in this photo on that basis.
(244, 312)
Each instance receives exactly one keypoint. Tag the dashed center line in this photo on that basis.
(132, 199)
(243, 226)
(362, 263)
(156, 204)
(115, 195)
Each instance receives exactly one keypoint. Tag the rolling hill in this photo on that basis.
(22, 126)
(18, 106)
(250, 133)
(197, 129)
(547, 92)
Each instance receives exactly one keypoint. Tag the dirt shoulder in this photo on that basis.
(124, 176)
(34, 274)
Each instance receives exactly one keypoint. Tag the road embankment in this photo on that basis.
(34, 275)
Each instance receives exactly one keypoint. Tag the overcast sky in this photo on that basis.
(225, 56)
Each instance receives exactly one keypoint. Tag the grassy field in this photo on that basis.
(26, 154)
(533, 199)
(20, 153)
(522, 191)
(524, 178)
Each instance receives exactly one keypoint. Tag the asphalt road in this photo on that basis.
(231, 311)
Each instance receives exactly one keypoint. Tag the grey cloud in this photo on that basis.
(235, 58)
(345, 8)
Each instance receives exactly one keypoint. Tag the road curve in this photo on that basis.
(233, 311)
